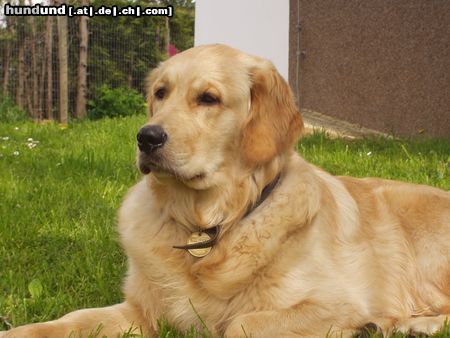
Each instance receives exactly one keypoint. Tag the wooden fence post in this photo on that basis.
(80, 111)
(63, 68)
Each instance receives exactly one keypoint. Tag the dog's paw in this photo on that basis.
(421, 325)
(249, 325)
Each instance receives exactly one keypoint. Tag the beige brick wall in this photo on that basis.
(382, 64)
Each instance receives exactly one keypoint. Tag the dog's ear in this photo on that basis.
(274, 123)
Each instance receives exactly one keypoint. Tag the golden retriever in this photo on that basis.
(283, 248)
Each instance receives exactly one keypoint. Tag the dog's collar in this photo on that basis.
(201, 242)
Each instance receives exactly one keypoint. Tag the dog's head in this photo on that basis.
(214, 110)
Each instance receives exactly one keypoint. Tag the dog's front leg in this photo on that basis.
(305, 320)
(97, 322)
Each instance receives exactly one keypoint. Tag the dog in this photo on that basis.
(230, 229)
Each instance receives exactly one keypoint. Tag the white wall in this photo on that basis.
(258, 27)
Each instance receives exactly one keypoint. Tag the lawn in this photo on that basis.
(60, 189)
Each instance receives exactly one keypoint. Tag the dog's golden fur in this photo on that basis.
(321, 254)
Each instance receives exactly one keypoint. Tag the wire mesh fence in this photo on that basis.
(120, 51)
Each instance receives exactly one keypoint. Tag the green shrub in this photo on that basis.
(117, 102)
(9, 111)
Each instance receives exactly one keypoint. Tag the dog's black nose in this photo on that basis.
(150, 138)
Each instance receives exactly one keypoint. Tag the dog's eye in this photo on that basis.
(160, 93)
(207, 99)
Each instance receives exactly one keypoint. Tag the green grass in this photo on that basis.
(420, 161)
(57, 215)
(59, 199)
